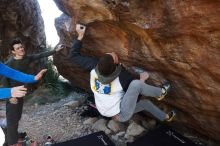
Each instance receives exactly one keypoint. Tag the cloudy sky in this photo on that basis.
(49, 12)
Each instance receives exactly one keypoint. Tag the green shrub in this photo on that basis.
(51, 80)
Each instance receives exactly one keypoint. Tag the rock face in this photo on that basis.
(21, 18)
(176, 40)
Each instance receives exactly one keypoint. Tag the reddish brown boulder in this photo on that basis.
(177, 40)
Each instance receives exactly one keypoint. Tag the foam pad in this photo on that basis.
(95, 139)
(162, 136)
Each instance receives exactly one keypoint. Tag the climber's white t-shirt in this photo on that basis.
(107, 96)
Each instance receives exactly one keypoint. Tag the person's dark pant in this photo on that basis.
(13, 114)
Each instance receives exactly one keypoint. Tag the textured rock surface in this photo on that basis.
(134, 130)
(21, 18)
(177, 40)
(101, 125)
(115, 126)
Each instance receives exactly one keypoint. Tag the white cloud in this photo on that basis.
(49, 12)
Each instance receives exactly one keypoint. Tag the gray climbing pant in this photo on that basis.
(129, 104)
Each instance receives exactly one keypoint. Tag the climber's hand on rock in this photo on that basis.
(80, 29)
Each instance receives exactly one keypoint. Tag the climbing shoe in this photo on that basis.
(165, 89)
(171, 116)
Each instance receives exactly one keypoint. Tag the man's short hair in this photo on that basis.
(106, 65)
(15, 41)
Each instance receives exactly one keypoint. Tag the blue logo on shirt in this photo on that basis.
(101, 88)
